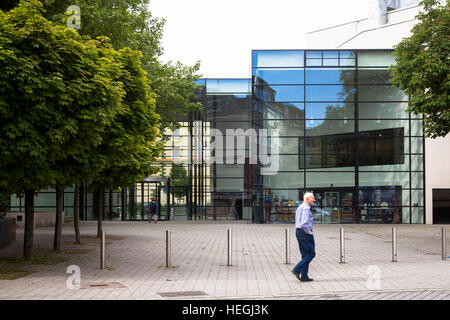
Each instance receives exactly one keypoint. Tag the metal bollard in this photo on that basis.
(168, 248)
(102, 249)
(230, 245)
(394, 244)
(287, 247)
(444, 244)
(342, 246)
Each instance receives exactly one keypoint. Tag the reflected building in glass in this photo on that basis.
(344, 135)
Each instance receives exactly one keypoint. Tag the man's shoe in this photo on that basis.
(297, 274)
(306, 279)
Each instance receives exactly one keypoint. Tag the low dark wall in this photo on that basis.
(7, 231)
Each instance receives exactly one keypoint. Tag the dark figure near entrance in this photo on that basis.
(152, 211)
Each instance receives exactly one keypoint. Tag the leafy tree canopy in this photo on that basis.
(422, 67)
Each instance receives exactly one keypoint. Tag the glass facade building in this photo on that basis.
(340, 129)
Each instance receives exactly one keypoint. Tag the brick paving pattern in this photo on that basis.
(135, 258)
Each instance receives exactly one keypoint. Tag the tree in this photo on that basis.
(178, 181)
(58, 95)
(130, 144)
(129, 23)
(422, 67)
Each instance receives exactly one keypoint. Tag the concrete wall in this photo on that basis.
(437, 170)
(41, 219)
(362, 34)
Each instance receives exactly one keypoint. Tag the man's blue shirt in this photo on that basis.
(304, 218)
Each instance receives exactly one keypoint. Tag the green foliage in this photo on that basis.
(72, 109)
(422, 67)
(130, 144)
(59, 93)
(129, 23)
(178, 180)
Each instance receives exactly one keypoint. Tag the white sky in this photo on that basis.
(221, 34)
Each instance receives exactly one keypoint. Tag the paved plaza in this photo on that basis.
(135, 263)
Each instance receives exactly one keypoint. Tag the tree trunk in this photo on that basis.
(59, 217)
(29, 225)
(99, 211)
(76, 214)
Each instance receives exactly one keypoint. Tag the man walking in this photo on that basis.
(304, 228)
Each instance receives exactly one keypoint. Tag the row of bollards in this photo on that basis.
(287, 250)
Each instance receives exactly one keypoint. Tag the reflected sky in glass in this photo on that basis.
(279, 76)
(278, 58)
(228, 86)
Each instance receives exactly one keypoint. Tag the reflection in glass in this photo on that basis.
(381, 93)
(284, 110)
(228, 86)
(279, 76)
(327, 127)
(287, 128)
(330, 110)
(373, 76)
(278, 93)
(330, 93)
(330, 76)
(380, 110)
(377, 58)
(277, 58)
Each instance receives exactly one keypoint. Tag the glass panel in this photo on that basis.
(347, 55)
(347, 62)
(330, 110)
(314, 54)
(228, 86)
(381, 93)
(279, 76)
(285, 180)
(282, 93)
(289, 163)
(230, 185)
(228, 114)
(380, 110)
(289, 128)
(314, 62)
(284, 111)
(326, 127)
(282, 58)
(375, 58)
(330, 76)
(373, 76)
(381, 205)
(385, 179)
(287, 145)
(330, 179)
(368, 125)
(417, 215)
(416, 145)
(330, 93)
(331, 54)
(227, 171)
(417, 198)
(216, 101)
(417, 180)
(416, 128)
(331, 62)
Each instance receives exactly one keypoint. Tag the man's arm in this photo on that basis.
(304, 220)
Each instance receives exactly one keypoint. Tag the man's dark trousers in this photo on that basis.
(308, 251)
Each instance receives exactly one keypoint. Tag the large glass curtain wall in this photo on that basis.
(344, 135)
